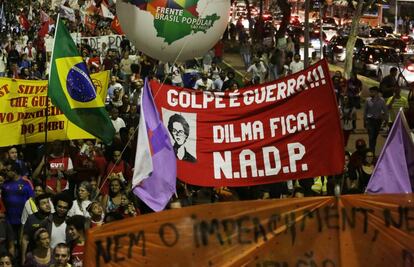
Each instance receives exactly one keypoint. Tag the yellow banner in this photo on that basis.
(23, 112)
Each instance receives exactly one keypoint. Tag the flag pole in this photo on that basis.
(47, 109)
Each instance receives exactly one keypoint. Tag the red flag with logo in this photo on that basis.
(24, 22)
(44, 29)
(90, 23)
(267, 133)
(116, 26)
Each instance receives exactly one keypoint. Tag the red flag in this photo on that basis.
(116, 26)
(90, 23)
(92, 9)
(24, 22)
(44, 29)
(43, 16)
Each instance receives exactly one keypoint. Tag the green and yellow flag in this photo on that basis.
(72, 91)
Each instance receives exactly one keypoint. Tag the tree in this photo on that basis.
(360, 8)
(285, 9)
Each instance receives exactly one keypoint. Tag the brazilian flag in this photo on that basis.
(72, 91)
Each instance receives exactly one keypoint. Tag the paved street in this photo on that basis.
(234, 60)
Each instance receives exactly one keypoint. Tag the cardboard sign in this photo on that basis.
(353, 230)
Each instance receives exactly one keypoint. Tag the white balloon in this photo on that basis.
(174, 33)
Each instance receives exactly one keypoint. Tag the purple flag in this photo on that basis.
(394, 171)
(155, 168)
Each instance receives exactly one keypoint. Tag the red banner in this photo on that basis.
(286, 129)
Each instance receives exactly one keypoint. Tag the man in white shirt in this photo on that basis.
(218, 83)
(175, 71)
(204, 83)
(207, 60)
(30, 51)
(55, 224)
(117, 122)
(258, 70)
(296, 65)
(113, 85)
(126, 63)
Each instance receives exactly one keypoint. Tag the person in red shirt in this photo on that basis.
(97, 214)
(87, 163)
(58, 167)
(75, 227)
(127, 208)
(117, 168)
(218, 51)
(94, 61)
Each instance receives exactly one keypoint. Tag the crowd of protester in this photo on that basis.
(52, 193)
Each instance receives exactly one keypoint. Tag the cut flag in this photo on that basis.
(155, 168)
(24, 22)
(89, 22)
(394, 171)
(44, 29)
(68, 13)
(116, 26)
(30, 15)
(105, 12)
(3, 21)
(44, 17)
(72, 90)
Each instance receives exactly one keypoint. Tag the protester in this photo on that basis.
(61, 255)
(7, 236)
(33, 224)
(76, 234)
(258, 70)
(82, 200)
(6, 260)
(348, 119)
(365, 171)
(389, 83)
(296, 65)
(394, 104)
(55, 224)
(112, 200)
(126, 207)
(204, 83)
(96, 213)
(117, 121)
(375, 113)
(41, 256)
(354, 88)
(231, 78)
(15, 192)
(30, 206)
